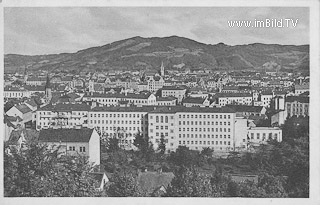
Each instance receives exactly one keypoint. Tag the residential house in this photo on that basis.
(73, 142)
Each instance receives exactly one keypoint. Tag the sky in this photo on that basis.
(50, 30)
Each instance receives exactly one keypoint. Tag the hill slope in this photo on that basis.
(147, 53)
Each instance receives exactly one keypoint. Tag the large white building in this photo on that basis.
(120, 122)
(297, 105)
(223, 99)
(194, 127)
(114, 99)
(178, 92)
(16, 92)
(61, 115)
(155, 83)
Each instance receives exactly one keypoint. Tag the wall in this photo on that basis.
(94, 148)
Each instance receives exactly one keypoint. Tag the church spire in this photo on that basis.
(162, 69)
(25, 74)
(48, 82)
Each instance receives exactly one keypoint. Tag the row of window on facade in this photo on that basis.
(204, 129)
(203, 123)
(202, 135)
(264, 136)
(118, 99)
(64, 113)
(115, 122)
(205, 142)
(121, 128)
(73, 148)
(206, 116)
(116, 115)
(162, 119)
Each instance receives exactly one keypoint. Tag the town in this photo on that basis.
(226, 112)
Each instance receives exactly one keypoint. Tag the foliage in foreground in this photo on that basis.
(36, 171)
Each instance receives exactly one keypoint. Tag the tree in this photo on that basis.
(123, 185)
(38, 171)
(145, 148)
(183, 156)
(162, 145)
(187, 183)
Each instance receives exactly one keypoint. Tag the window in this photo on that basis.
(82, 149)
(72, 148)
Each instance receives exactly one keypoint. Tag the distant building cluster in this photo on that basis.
(220, 110)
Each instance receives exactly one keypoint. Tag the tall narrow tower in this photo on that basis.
(48, 90)
(162, 69)
(25, 75)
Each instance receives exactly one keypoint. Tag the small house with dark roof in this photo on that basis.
(154, 183)
(178, 92)
(101, 180)
(23, 111)
(247, 110)
(198, 101)
(162, 101)
(297, 105)
(73, 142)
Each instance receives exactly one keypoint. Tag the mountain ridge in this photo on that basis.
(138, 53)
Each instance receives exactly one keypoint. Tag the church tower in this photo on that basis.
(162, 69)
(25, 75)
(48, 90)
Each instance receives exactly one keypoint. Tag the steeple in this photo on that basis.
(48, 90)
(48, 82)
(162, 69)
(25, 74)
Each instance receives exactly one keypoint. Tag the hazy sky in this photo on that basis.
(55, 30)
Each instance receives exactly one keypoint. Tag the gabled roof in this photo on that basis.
(32, 102)
(117, 95)
(169, 98)
(12, 118)
(65, 135)
(301, 99)
(35, 78)
(149, 181)
(23, 108)
(245, 108)
(174, 88)
(230, 95)
(65, 107)
(195, 100)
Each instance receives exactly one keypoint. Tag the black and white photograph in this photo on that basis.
(160, 100)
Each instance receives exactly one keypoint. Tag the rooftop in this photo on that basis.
(195, 100)
(245, 108)
(65, 135)
(65, 107)
(300, 99)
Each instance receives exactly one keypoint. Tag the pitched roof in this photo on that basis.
(117, 95)
(195, 100)
(14, 88)
(23, 108)
(66, 107)
(149, 181)
(35, 78)
(32, 102)
(183, 109)
(169, 98)
(301, 99)
(174, 88)
(230, 95)
(65, 135)
(245, 108)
